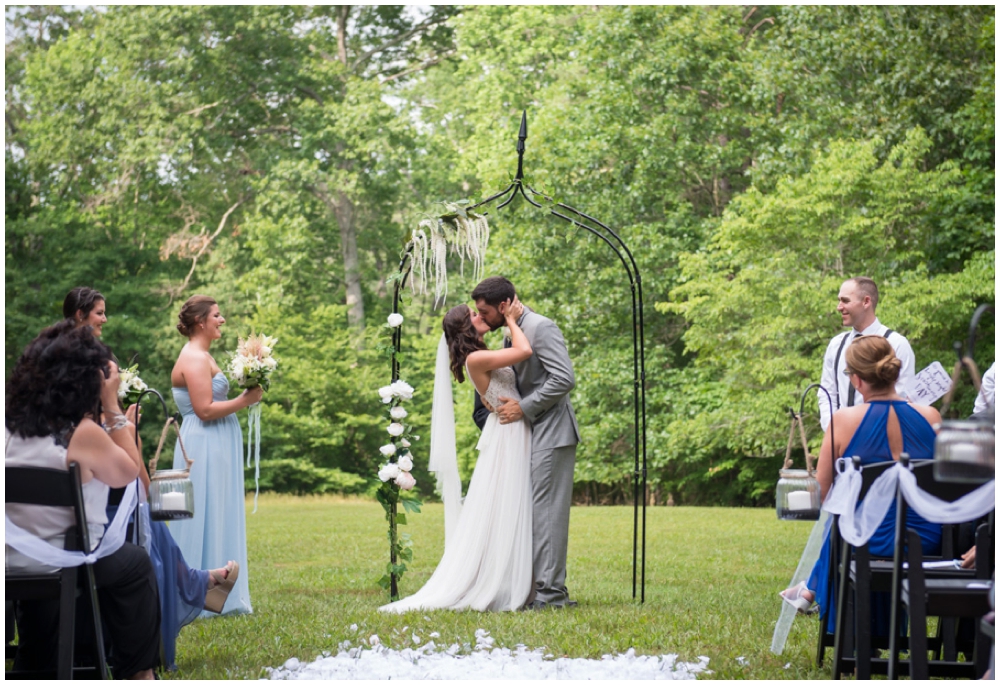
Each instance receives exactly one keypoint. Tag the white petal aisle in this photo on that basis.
(373, 661)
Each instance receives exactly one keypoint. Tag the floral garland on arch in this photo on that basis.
(467, 234)
(396, 475)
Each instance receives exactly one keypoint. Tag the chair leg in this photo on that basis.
(862, 616)
(917, 608)
(100, 660)
(67, 624)
(843, 637)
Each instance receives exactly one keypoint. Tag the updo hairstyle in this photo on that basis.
(56, 381)
(194, 312)
(461, 337)
(872, 358)
(83, 300)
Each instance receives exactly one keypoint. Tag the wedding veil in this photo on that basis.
(443, 456)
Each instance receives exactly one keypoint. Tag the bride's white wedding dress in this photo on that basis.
(487, 562)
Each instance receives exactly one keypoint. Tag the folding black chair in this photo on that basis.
(56, 488)
(921, 594)
(854, 587)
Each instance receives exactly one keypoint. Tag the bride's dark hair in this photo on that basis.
(462, 338)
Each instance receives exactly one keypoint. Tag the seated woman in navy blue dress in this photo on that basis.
(878, 430)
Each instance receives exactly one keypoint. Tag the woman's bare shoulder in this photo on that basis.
(930, 414)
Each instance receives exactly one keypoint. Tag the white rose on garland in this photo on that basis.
(385, 392)
(405, 481)
(402, 390)
(387, 450)
(395, 429)
(388, 472)
(405, 463)
(397, 413)
(395, 320)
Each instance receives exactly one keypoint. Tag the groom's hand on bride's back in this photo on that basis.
(509, 410)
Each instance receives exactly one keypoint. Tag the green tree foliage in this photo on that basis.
(277, 157)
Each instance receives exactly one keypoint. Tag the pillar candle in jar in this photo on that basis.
(799, 500)
(966, 453)
(172, 501)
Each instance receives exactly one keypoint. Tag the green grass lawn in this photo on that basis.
(712, 577)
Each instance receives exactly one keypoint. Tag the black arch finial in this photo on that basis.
(522, 135)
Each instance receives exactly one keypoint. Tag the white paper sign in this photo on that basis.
(929, 385)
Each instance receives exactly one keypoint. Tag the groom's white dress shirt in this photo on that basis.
(839, 385)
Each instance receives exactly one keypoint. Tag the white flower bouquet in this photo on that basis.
(130, 386)
(253, 363)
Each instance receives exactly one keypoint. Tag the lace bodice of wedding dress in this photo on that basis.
(503, 383)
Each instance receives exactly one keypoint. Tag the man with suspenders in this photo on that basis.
(856, 303)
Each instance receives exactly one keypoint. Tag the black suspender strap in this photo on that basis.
(836, 369)
(852, 391)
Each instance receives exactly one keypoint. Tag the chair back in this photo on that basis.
(50, 488)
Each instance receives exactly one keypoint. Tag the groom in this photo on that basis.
(544, 381)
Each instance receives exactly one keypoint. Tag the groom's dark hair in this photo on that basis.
(494, 290)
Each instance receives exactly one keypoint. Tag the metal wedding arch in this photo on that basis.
(617, 245)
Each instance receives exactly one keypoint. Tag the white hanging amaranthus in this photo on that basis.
(468, 234)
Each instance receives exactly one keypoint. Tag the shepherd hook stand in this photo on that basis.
(617, 245)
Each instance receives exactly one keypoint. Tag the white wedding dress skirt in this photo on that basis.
(487, 562)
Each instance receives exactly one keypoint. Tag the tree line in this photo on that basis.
(278, 158)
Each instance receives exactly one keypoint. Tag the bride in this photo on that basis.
(487, 555)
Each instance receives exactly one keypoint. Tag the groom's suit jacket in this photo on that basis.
(544, 381)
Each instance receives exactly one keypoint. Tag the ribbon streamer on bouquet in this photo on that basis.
(40, 550)
(859, 522)
(253, 446)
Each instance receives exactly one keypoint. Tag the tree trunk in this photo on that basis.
(344, 211)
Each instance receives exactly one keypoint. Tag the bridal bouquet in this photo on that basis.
(130, 386)
(252, 365)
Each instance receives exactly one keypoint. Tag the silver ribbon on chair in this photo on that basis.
(114, 537)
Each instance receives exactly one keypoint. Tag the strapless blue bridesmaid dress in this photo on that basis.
(217, 533)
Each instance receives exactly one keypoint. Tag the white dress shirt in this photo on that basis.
(987, 393)
(840, 388)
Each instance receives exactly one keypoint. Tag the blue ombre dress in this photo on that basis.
(217, 533)
(871, 443)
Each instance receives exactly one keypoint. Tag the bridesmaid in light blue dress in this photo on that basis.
(214, 441)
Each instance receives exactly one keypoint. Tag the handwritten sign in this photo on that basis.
(929, 385)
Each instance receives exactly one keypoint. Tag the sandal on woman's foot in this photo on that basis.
(215, 598)
(794, 596)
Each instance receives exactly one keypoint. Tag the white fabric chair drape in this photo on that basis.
(40, 550)
(859, 522)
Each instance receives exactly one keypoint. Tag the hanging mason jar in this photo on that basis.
(964, 451)
(798, 494)
(171, 492)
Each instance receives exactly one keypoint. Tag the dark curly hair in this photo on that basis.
(462, 338)
(56, 381)
(82, 299)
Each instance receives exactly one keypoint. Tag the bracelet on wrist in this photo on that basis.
(116, 422)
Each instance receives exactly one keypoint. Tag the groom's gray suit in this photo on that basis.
(544, 381)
